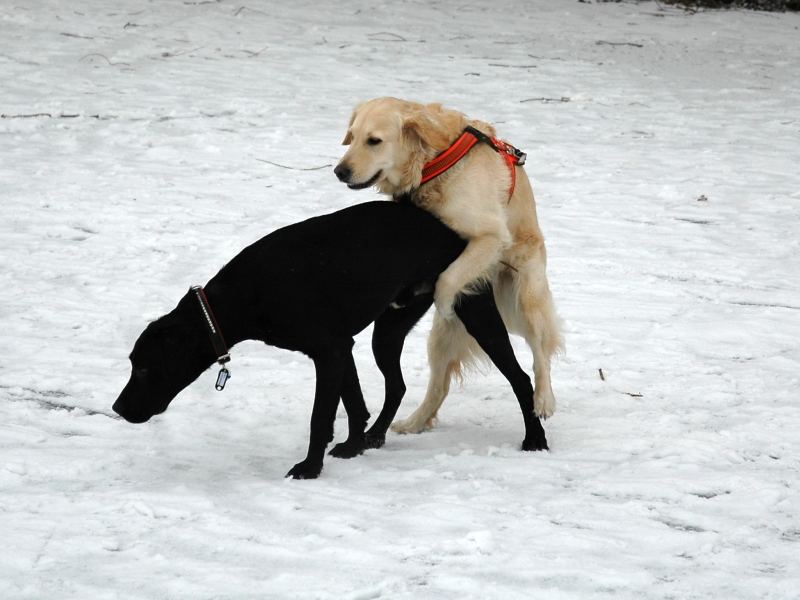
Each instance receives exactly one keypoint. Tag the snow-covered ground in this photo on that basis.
(664, 152)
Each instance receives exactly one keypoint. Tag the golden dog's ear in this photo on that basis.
(348, 137)
(423, 127)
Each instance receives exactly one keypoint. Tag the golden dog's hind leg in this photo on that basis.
(448, 346)
(541, 331)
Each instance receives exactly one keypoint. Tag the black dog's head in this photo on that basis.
(169, 354)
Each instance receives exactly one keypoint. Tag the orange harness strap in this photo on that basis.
(464, 144)
(449, 157)
(511, 161)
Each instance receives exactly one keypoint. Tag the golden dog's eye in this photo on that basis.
(373, 141)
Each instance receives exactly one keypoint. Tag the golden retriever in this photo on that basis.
(389, 142)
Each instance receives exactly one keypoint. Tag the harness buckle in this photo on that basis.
(518, 155)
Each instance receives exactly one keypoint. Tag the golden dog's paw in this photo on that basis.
(411, 425)
(544, 405)
(445, 300)
(446, 311)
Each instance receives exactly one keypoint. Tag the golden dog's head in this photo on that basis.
(390, 140)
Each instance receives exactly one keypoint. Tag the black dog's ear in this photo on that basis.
(166, 331)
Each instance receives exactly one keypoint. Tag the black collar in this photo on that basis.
(215, 333)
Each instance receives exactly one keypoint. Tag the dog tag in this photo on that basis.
(222, 379)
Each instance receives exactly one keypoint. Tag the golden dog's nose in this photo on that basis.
(343, 172)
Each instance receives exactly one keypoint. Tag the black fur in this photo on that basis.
(311, 287)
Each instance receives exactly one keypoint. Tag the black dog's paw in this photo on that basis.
(305, 470)
(374, 440)
(348, 449)
(534, 444)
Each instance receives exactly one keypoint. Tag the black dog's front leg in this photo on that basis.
(388, 337)
(329, 367)
(357, 413)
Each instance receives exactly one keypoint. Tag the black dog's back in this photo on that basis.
(342, 269)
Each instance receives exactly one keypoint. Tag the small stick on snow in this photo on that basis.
(602, 377)
(103, 56)
(506, 66)
(75, 35)
(252, 54)
(386, 36)
(546, 100)
(30, 116)
(604, 43)
(294, 168)
(50, 116)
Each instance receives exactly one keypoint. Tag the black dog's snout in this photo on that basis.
(343, 172)
(130, 413)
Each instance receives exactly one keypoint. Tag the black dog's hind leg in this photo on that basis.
(357, 414)
(479, 314)
(388, 336)
(329, 366)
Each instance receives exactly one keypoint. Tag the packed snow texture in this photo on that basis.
(143, 144)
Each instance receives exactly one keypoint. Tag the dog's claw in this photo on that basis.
(305, 470)
(373, 440)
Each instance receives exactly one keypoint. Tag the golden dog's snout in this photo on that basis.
(343, 172)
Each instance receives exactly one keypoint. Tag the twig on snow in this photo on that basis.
(51, 116)
(103, 56)
(544, 100)
(75, 35)
(241, 9)
(269, 162)
(505, 66)
(604, 43)
(386, 36)
(602, 377)
(28, 116)
(545, 57)
(251, 54)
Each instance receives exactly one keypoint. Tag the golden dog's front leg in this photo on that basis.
(474, 264)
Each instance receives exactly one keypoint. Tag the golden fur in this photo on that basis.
(389, 141)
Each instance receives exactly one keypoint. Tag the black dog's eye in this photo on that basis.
(373, 141)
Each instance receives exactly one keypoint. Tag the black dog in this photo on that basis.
(311, 287)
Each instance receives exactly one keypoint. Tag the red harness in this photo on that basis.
(464, 144)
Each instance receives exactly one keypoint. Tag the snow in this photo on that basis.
(668, 189)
